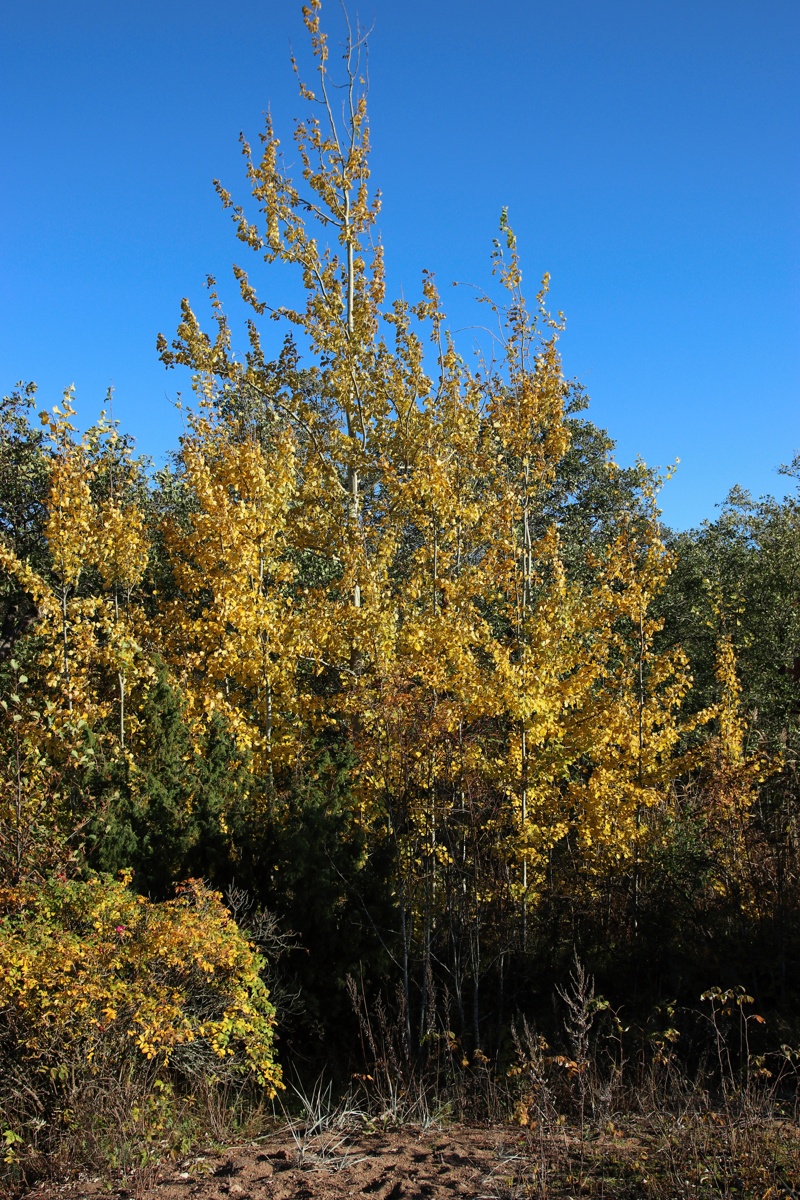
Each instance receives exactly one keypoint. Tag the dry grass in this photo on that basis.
(589, 1119)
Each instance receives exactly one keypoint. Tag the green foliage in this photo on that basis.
(736, 579)
(164, 809)
(23, 475)
(302, 854)
(738, 576)
(591, 497)
(23, 512)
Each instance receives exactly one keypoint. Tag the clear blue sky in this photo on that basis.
(647, 151)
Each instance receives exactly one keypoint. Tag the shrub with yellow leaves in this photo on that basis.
(90, 969)
(98, 983)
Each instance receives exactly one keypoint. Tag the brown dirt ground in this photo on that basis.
(479, 1163)
(393, 1165)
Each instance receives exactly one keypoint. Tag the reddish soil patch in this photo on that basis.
(396, 1165)
(489, 1163)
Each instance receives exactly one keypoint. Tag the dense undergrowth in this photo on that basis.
(607, 1109)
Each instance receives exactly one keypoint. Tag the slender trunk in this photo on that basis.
(458, 972)
(269, 733)
(475, 956)
(430, 880)
(352, 471)
(435, 571)
(639, 776)
(18, 834)
(351, 275)
(406, 987)
(426, 971)
(268, 715)
(120, 676)
(67, 680)
(527, 565)
(121, 679)
(353, 491)
(524, 828)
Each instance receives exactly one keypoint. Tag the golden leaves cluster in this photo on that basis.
(374, 552)
(84, 656)
(467, 665)
(234, 633)
(93, 977)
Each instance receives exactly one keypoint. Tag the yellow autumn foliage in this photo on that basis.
(92, 973)
(373, 556)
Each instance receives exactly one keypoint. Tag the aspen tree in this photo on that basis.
(121, 560)
(728, 779)
(84, 637)
(232, 635)
(630, 729)
(498, 704)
